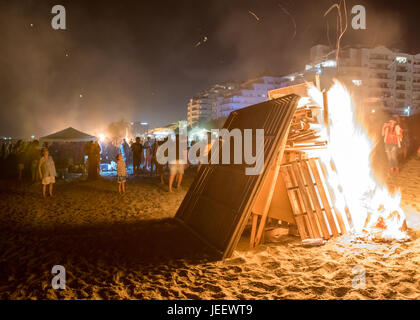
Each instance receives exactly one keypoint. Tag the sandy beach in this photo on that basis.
(129, 247)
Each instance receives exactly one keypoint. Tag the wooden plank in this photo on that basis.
(324, 198)
(269, 194)
(253, 230)
(314, 199)
(306, 200)
(338, 215)
(300, 222)
(301, 211)
(281, 208)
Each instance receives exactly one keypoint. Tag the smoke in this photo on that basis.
(139, 61)
(54, 79)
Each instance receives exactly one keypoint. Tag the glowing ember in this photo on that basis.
(375, 213)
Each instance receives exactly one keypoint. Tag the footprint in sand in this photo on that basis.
(340, 291)
(263, 286)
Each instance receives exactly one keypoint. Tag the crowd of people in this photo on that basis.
(29, 161)
(141, 154)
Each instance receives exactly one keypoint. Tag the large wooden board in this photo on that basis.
(218, 204)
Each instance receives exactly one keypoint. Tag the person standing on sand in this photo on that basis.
(20, 155)
(159, 167)
(121, 174)
(148, 147)
(392, 137)
(137, 150)
(34, 156)
(176, 166)
(47, 173)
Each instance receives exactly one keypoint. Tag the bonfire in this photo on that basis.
(375, 213)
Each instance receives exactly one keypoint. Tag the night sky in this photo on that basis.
(138, 60)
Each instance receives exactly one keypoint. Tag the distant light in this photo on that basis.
(357, 82)
(67, 54)
(401, 59)
(144, 123)
(80, 95)
(32, 137)
(407, 111)
(329, 64)
(373, 111)
(308, 67)
(31, 25)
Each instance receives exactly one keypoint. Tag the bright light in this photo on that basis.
(32, 137)
(401, 59)
(144, 123)
(357, 82)
(101, 137)
(329, 64)
(375, 212)
(373, 111)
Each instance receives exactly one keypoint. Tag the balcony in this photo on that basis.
(382, 86)
(380, 76)
(383, 67)
(378, 57)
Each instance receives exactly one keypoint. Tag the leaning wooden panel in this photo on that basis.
(280, 207)
(324, 199)
(306, 200)
(314, 199)
(339, 215)
(219, 202)
(303, 228)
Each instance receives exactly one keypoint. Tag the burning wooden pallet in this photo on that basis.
(302, 178)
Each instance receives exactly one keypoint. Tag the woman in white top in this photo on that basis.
(47, 173)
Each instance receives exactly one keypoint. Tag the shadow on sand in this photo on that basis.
(115, 245)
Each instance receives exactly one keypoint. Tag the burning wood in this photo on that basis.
(375, 213)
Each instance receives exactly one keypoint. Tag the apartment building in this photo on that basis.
(385, 78)
(248, 93)
(201, 107)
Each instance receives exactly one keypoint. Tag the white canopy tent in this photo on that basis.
(68, 135)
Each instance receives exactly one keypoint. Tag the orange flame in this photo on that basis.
(374, 211)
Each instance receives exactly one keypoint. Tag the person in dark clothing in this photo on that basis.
(137, 150)
(92, 150)
(34, 154)
(96, 156)
(20, 156)
(159, 167)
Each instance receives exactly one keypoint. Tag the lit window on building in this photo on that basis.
(401, 59)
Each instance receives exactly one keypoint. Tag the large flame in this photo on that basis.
(374, 211)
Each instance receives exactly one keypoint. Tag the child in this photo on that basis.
(47, 173)
(121, 174)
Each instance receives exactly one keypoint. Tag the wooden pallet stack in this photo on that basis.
(304, 178)
(310, 200)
